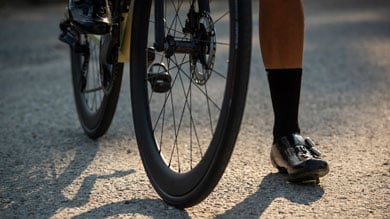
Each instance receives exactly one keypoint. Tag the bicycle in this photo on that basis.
(189, 72)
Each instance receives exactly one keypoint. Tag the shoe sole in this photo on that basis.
(304, 177)
(307, 177)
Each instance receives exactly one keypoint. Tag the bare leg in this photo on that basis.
(281, 26)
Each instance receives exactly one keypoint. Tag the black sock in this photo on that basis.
(285, 88)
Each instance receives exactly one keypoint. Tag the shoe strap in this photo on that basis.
(303, 147)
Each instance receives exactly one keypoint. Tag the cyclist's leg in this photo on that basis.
(281, 33)
(281, 37)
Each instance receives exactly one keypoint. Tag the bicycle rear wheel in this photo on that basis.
(188, 97)
(96, 82)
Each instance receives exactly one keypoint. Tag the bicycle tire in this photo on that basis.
(95, 104)
(182, 184)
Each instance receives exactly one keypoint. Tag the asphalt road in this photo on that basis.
(50, 169)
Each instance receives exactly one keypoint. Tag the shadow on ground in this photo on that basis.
(272, 187)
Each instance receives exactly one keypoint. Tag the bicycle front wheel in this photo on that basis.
(188, 96)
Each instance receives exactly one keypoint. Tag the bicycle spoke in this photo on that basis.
(93, 89)
(192, 122)
(208, 108)
(165, 101)
(204, 93)
(222, 16)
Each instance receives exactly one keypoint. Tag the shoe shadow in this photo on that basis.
(274, 186)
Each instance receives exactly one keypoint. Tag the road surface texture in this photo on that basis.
(50, 169)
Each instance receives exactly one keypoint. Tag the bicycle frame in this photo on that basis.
(125, 37)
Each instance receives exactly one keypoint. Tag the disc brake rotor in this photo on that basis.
(202, 62)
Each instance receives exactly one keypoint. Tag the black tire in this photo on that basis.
(96, 90)
(186, 140)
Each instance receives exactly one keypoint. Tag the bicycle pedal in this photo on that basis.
(159, 78)
(66, 36)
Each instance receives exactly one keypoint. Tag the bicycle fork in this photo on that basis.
(200, 46)
(167, 43)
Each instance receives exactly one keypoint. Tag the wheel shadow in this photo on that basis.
(83, 194)
(272, 187)
(32, 187)
(154, 208)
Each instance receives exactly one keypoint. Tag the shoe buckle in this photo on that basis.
(302, 152)
(310, 145)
